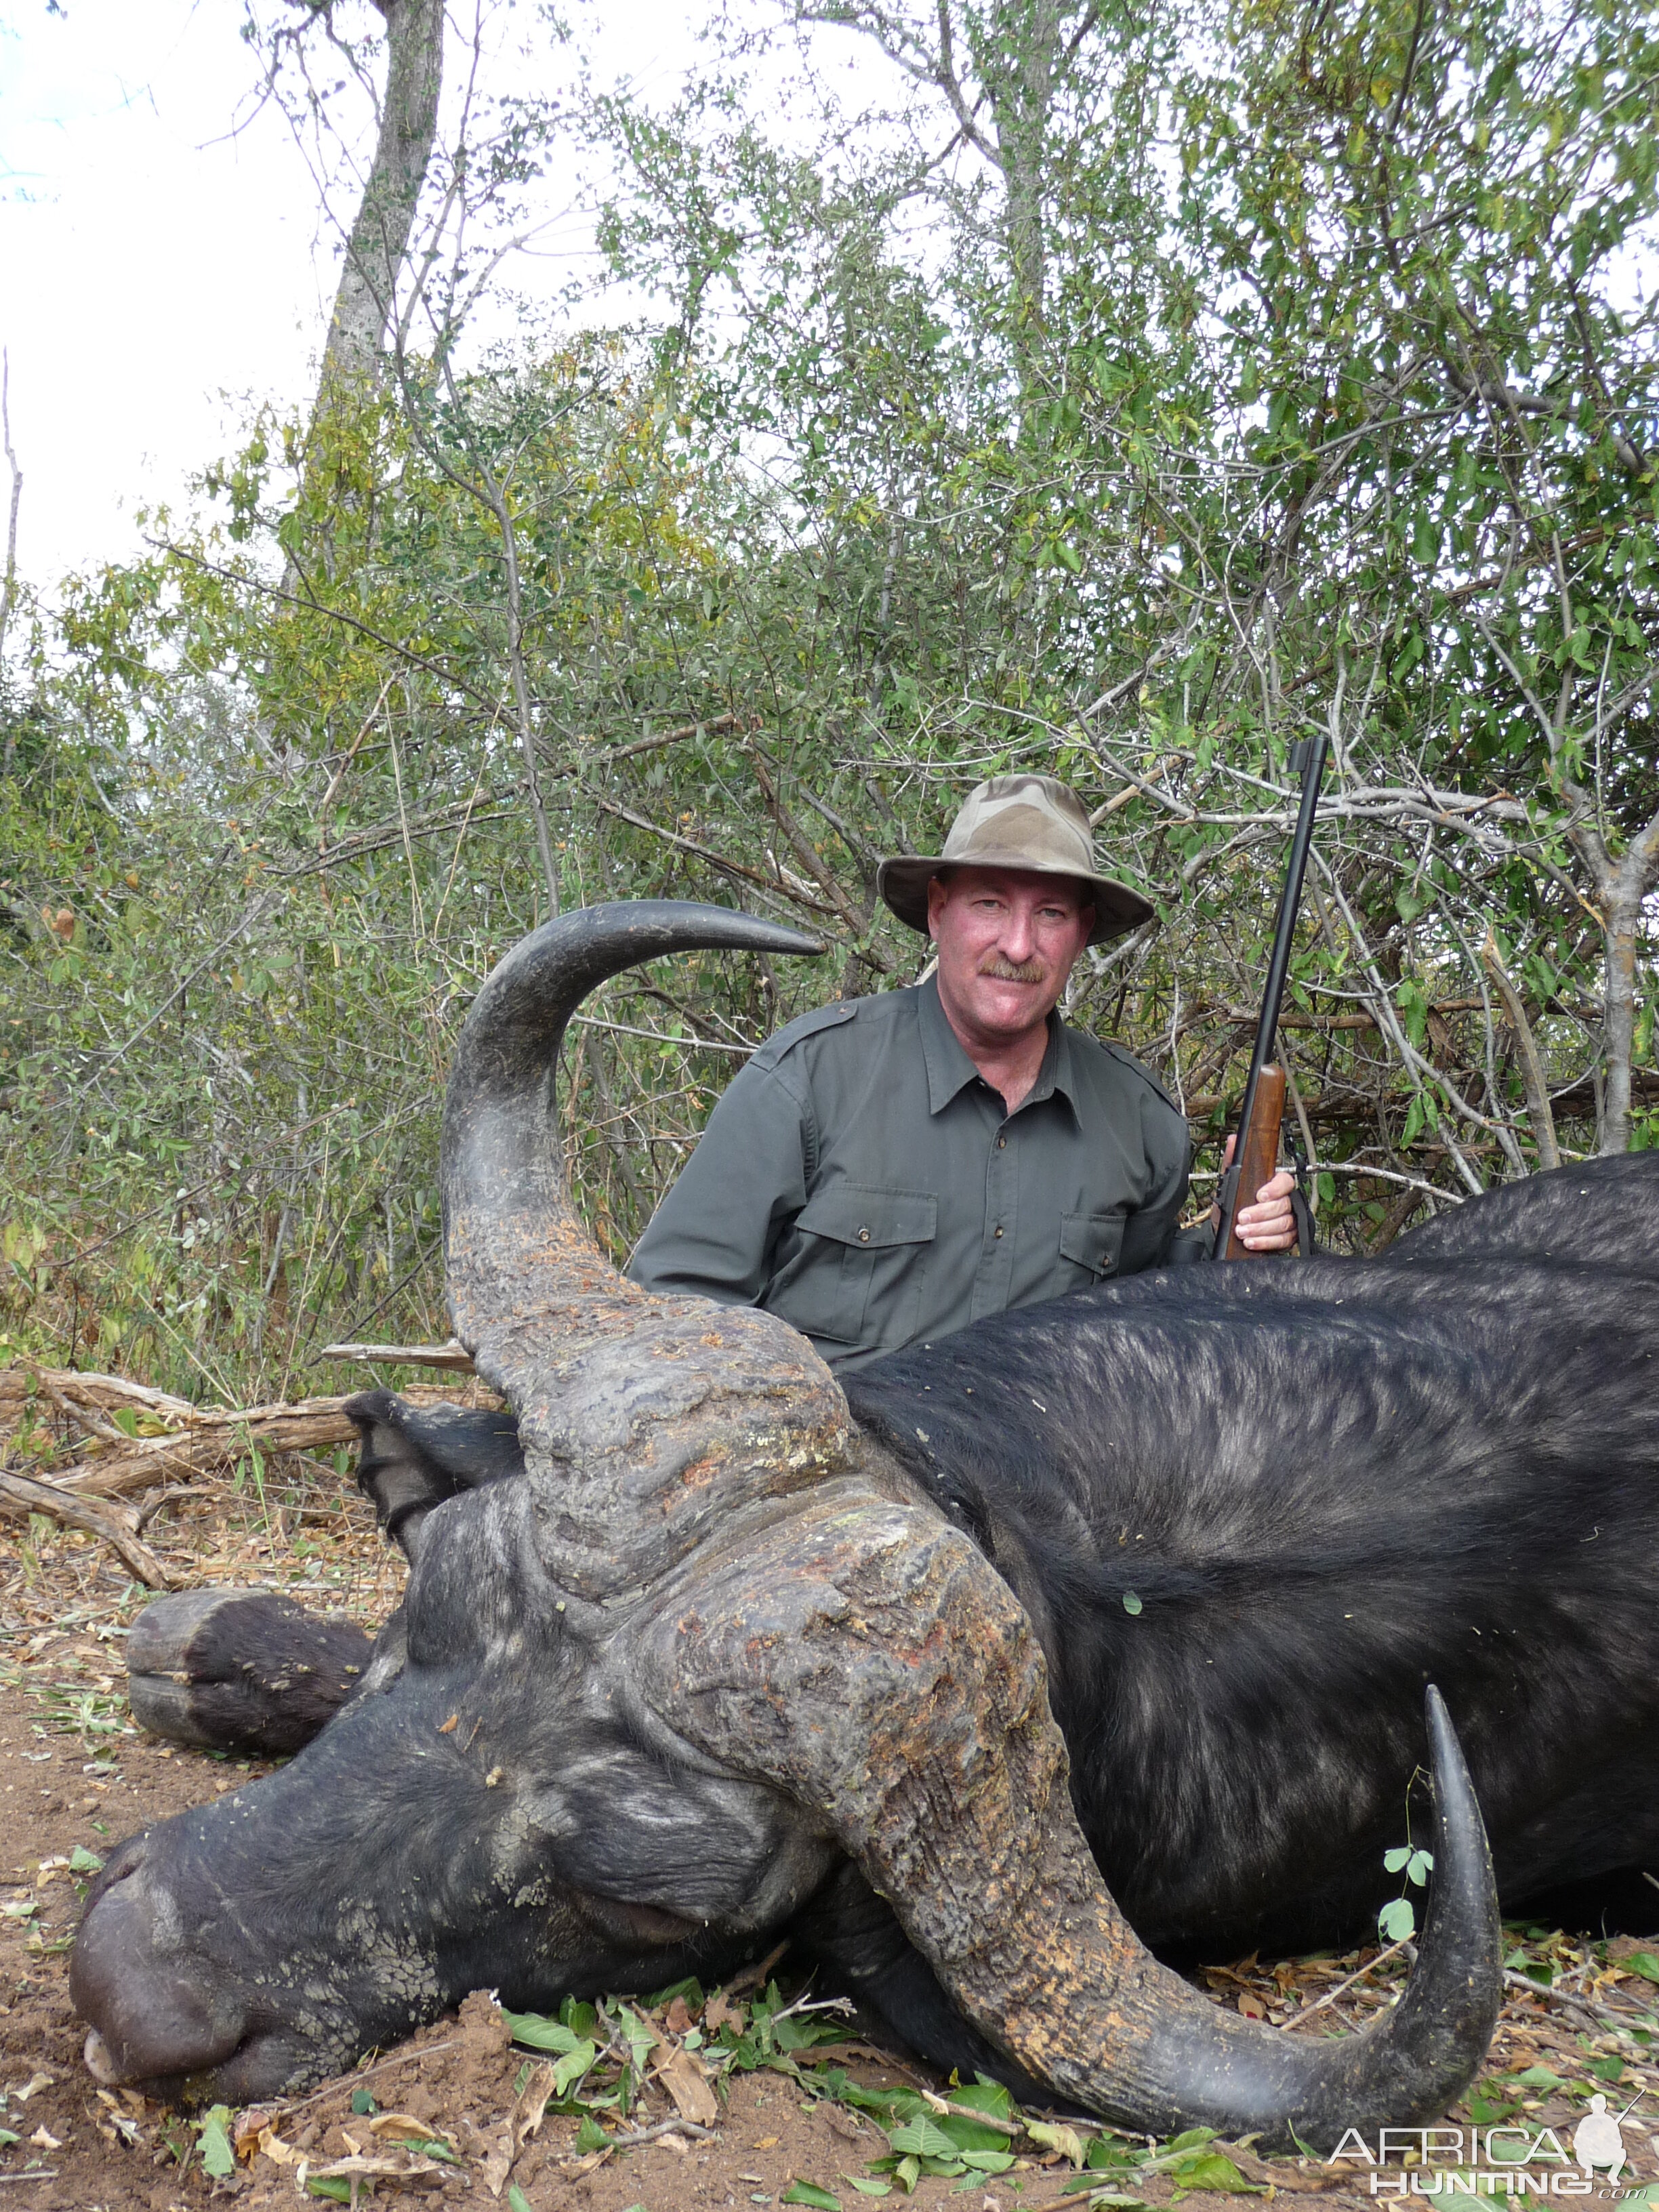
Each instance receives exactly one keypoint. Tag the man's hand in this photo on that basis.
(1267, 1225)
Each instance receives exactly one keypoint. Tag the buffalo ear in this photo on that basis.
(411, 1458)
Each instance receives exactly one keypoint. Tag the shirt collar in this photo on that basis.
(951, 1070)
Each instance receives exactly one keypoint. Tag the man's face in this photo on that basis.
(1006, 940)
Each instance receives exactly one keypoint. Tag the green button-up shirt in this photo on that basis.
(862, 1179)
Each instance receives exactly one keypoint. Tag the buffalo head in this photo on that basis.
(645, 1704)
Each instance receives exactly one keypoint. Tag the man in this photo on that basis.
(892, 1168)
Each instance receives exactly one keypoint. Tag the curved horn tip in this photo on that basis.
(1465, 1852)
(1405, 2069)
(1457, 1809)
(655, 927)
(518, 1018)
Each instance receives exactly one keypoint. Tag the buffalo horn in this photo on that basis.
(644, 1418)
(864, 1658)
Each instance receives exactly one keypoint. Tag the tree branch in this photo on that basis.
(1532, 1064)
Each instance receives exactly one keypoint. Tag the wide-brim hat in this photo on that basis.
(1033, 822)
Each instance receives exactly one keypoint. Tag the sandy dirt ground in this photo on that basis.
(77, 1777)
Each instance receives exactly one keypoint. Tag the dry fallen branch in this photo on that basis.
(450, 1355)
(22, 1494)
(196, 1440)
(103, 1392)
(211, 1441)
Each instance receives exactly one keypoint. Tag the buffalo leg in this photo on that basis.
(240, 1671)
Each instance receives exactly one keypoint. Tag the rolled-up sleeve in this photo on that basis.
(713, 1236)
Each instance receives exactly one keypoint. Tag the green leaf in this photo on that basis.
(988, 2161)
(569, 2069)
(1397, 1920)
(218, 2159)
(82, 1860)
(335, 2186)
(1413, 1000)
(1211, 2170)
(983, 2096)
(1485, 2114)
(362, 2100)
(540, 2034)
(1643, 1963)
(516, 2199)
(1108, 2150)
(867, 2187)
(797, 2034)
(1178, 2146)
(1394, 1860)
(1131, 1603)
(590, 2135)
(967, 2135)
(808, 2192)
(921, 2138)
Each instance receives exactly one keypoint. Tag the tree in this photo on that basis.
(376, 246)
(377, 239)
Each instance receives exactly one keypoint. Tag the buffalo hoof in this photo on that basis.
(240, 1671)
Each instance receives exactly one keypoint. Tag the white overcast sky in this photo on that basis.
(158, 273)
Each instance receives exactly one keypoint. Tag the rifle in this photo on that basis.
(1255, 1156)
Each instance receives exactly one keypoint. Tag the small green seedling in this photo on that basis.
(1398, 1918)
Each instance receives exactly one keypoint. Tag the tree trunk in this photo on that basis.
(1623, 921)
(374, 253)
(1022, 94)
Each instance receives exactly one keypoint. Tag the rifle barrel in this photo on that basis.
(1309, 756)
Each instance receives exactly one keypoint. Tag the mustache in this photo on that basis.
(1014, 971)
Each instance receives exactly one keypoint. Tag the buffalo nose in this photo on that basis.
(132, 1979)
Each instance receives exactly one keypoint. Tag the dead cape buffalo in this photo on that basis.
(738, 1651)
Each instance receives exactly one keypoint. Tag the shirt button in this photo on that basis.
(996, 1232)
(864, 1236)
(1002, 1143)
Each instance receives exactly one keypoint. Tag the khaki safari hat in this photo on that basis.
(1031, 822)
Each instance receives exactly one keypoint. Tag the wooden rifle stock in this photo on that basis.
(1257, 1152)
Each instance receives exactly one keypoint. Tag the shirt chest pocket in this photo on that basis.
(862, 1262)
(1093, 1241)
